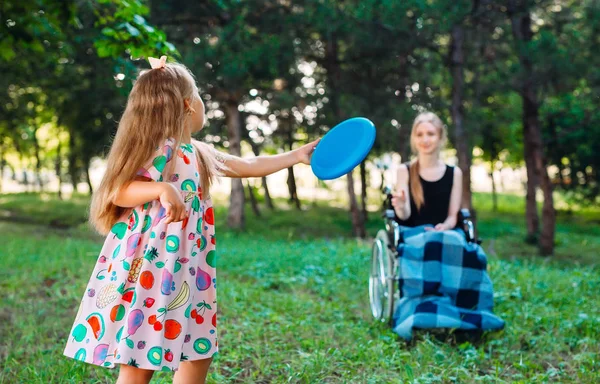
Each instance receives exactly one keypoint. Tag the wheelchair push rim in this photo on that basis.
(381, 279)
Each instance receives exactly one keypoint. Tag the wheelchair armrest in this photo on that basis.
(463, 214)
(465, 222)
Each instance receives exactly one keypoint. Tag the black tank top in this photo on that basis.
(437, 200)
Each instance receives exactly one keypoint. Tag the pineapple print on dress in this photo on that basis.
(134, 271)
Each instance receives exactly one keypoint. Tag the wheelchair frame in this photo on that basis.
(384, 259)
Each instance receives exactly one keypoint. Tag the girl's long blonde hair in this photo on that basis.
(416, 188)
(155, 111)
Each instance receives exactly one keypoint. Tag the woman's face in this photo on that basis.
(426, 138)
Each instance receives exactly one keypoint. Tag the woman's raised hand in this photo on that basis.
(171, 199)
(399, 199)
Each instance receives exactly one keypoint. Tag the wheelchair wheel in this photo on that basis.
(381, 280)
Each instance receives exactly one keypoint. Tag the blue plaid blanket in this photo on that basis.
(443, 284)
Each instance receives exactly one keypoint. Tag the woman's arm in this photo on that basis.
(455, 200)
(400, 199)
(265, 165)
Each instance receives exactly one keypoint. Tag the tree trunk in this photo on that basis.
(291, 180)
(235, 215)
(87, 161)
(461, 140)
(494, 194)
(358, 224)
(531, 213)
(493, 158)
(26, 178)
(334, 78)
(38, 162)
(2, 164)
(252, 197)
(534, 155)
(363, 189)
(58, 168)
(548, 211)
(268, 200)
(73, 171)
(291, 183)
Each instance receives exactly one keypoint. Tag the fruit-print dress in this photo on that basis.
(151, 300)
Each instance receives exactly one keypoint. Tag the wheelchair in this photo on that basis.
(383, 279)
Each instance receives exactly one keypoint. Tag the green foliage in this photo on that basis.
(28, 28)
(572, 123)
(68, 54)
(125, 28)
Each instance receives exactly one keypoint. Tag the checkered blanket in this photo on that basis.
(443, 284)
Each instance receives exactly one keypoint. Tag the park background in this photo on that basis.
(516, 82)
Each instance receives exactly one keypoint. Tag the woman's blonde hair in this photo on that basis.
(155, 112)
(416, 188)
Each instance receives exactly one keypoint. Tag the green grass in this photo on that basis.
(294, 304)
(44, 208)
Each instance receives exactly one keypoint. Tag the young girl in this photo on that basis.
(428, 191)
(151, 302)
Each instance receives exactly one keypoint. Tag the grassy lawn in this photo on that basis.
(294, 302)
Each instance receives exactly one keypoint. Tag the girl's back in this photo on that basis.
(151, 299)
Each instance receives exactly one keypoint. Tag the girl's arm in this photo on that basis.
(400, 199)
(265, 165)
(141, 191)
(138, 192)
(455, 200)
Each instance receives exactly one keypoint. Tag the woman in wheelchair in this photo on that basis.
(428, 192)
(441, 273)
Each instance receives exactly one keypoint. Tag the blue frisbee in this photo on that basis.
(344, 147)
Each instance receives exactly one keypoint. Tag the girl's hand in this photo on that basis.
(171, 199)
(399, 200)
(305, 152)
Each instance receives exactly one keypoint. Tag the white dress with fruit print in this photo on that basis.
(151, 300)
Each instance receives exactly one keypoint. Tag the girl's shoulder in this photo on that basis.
(184, 151)
(166, 147)
(171, 143)
(163, 157)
